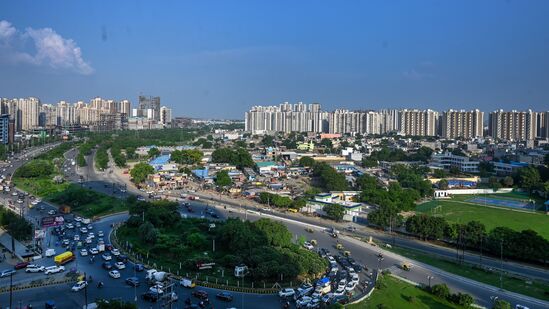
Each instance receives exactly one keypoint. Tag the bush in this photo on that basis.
(440, 290)
(35, 168)
(462, 299)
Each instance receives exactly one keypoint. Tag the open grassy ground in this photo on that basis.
(398, 294)
(40, 186)
(458, 211)
(535, 289)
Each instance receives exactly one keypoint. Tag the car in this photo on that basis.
(107, 265)
(15, 193)
(21, 265)
(114, 274)
(139, 267)
(350, 286)
(106, 257)
(34, 268)
(314, 303)
(115, 252)
(122, 258)
(90, 227)
(133, 281)
(200, 294)
(157, 288)
(53, 269)
(76, 237)
(307, 245)
(91, 235)
(84, 252)
(224, 296)
(79, 286)
(51, 212)
(7, 272)
(119, 265)
(89, 240)
(20, 201)
(354, 278)
(83, 230)
(287, 292)
(100, 234)
(327, 298)
(150, 296)
(304, 289)
(77, 219)
(70, 226)
(342, 284)
(303, 302)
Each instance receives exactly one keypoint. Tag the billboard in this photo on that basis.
(52, 221)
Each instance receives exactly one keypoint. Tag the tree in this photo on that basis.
(306, 161)
(276, 233)
(140, 172)
(494, 183)
(153, 152)
(80, 159)
(529, 178)
(188, 156)
(443, 184)
(501, 304)
(334, 211)
(148, 233)
(462, 299)
(508, 181)
(440, 290)
(222, 179)
(439, 173)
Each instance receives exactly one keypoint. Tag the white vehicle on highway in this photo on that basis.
(119, 265)
(83, 230)
(84, 252)
(54, 269)
(79, 286)
(287, 292)
(106, 257)
(34, 268)
(115, 252)
(308, 245)
(94, 251)
(114, 274)
(91, 235)
(77, 219)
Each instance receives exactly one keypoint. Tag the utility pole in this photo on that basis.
(501, 264)
(11, 290)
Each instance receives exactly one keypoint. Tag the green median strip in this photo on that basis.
(533, 288)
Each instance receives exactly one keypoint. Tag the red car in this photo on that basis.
(21, 265)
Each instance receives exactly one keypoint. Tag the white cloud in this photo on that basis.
(49, 49)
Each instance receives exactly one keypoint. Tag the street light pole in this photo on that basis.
(430, 277)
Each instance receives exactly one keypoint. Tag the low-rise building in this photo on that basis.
(448, 160)
(317, 204)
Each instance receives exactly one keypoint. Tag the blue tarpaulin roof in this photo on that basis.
(160, 160)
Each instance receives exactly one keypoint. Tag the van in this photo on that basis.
(293, 210)
(50, 252)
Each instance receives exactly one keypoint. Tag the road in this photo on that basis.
(363, 253)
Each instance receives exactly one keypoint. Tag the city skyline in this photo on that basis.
(205, 63)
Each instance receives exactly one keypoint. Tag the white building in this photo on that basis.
(447, 160)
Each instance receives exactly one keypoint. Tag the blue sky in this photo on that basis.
(218, 58)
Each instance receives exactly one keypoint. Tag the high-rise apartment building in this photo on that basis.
(4, 128)
(462, 124)
(149, 107)
(28, 112)
(125, 107)
(286, 118)
(165, 115)
(418, 122)
(513, 125)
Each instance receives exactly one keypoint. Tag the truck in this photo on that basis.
(153, 276)
(64, 258)
(101, 247)
(187, 283)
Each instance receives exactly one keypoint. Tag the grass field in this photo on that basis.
(535, 289)
(457, 211)
(399, 294)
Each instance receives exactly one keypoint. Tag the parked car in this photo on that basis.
(224, 296)
(287, 292)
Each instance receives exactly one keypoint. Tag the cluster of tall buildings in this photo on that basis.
(451, 124)
(30, 115)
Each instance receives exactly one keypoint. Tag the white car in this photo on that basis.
(76, 237)
(308, 245)
(89, 240)
(91, 235)
(354, 278)
(70, 226)
(287, 292)
(100, 234)
(350, 286)
(15, 193)
(90, 227)
(94, 251)
(83, 230)
(342, 283)
(115, 252)
(79, 286)
(34, 268)
(114, 274)
(303, 301)
(84, 252)
(51, 212)
(53, 269)
(77, 219)
(119, 265)
(106, 257)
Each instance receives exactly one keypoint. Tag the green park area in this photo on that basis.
(158, 235)
(43, 177)
(509, 282)
(457, 210)
(392, 293)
